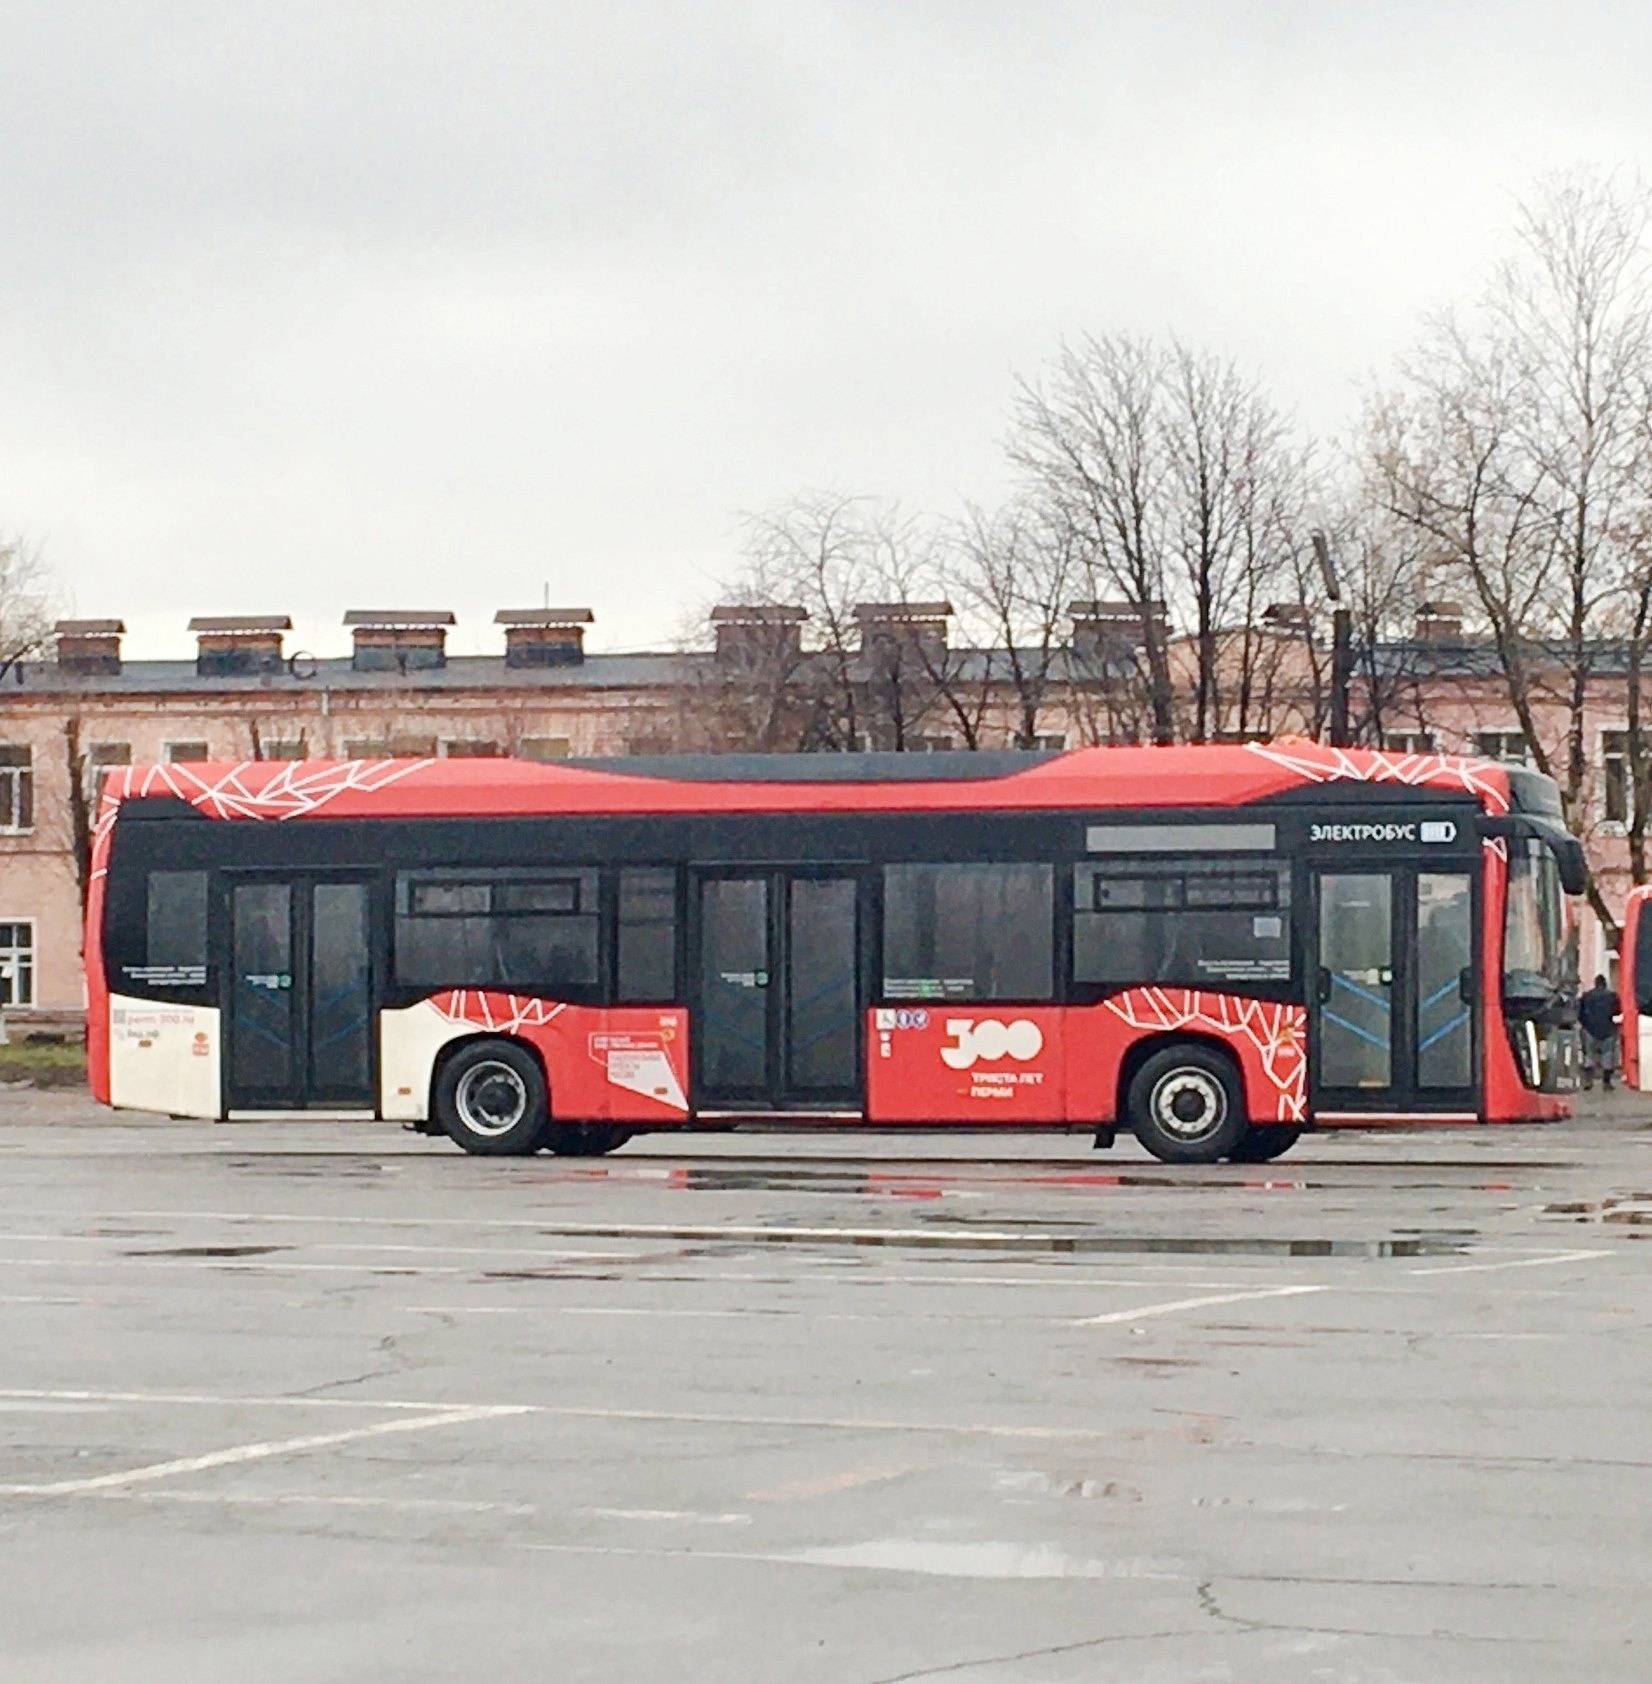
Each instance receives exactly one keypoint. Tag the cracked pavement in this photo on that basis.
(330, 1402)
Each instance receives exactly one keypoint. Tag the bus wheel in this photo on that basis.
(585, 1140)
(1263, 1142)
(1185, 1107)
(490, 1097)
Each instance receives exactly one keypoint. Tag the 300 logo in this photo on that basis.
(988, 1038)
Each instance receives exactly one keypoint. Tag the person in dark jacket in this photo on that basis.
(1597, 1016)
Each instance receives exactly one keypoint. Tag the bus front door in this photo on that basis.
(301, 997)
(777, 1019)
(1392, 985)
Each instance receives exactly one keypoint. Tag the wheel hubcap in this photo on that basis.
(491, 1098)
(1189, 1104)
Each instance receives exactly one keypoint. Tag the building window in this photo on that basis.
(497, 929)
(16, 787)
(968, 932)
(930, 745)
(187, 751)
(1177, 921)
(648, 744)
(471, 748)
(282, 748)
(1414, 742)
(1508, 746)
(1051, 742)
(390, 748)
(17, 963)
(1617, 781)
(101, 759)
(543, 748)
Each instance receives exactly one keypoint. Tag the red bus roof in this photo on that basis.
(1190, 776)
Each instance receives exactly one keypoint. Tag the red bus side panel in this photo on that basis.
(1051, 1064)
(626, 1064)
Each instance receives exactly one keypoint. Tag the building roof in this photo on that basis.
(225, 623)
(90, 628)
(399, 619)
(544, 617)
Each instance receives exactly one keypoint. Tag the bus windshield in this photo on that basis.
(1539, 944)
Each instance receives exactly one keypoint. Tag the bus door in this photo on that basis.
(778, 990)
(300, 978)
(1392, 984)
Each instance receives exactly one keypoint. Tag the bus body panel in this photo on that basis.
(165, 1057)
(622, 1064)
(1062, 1065)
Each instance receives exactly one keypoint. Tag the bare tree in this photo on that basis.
(27, 599)
(1516, 442)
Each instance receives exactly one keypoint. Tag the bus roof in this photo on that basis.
(1216, 775)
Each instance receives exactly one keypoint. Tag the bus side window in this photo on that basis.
(1199, 922)
(645, 970)
(497, 929)
(969, 932)
(176, 920)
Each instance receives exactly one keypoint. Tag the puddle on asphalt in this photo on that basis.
(980, 1561)
(211, 1251)
(1632, 1210)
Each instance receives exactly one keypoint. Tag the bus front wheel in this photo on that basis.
(1263, 1142)
(490, 1098)
(1185, 1105)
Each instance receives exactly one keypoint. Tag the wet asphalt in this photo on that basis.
(332, 1402)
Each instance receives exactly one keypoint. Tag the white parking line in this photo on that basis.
(557, 1411)
(1148, 1311)
(1543, 1262)
(258, 1452)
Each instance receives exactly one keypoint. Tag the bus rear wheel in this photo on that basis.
(1263, 1142)
(1185, 1105)
(490, 1098)
(585, 1140)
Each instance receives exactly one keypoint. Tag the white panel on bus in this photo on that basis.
(164, 1058)
(1643, 1026)
(408, 1043)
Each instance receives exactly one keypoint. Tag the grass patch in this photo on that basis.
(45, 1064)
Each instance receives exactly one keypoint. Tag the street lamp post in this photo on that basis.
(1342, 643)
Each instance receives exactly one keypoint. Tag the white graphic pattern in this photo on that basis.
(1320, 765)
(505, 1013)
(1277, 1032)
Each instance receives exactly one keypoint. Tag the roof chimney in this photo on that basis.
(1439, 622)
(753, 632)
(544, 637)
(1288, 617)
(1113, 630)
(888, 624)
(229, 645)
(89, 646)
(398, 639)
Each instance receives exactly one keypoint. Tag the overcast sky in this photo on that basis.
(306, 307)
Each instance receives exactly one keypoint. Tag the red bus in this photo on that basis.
(1635, 989)
(1213, 947)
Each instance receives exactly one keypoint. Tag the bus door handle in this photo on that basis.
(1322, 983)
(1465, 985)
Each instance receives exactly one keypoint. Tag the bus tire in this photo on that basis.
(585, 1140)
(490, 1098)
(1261, 1143)
(1186, 1106)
